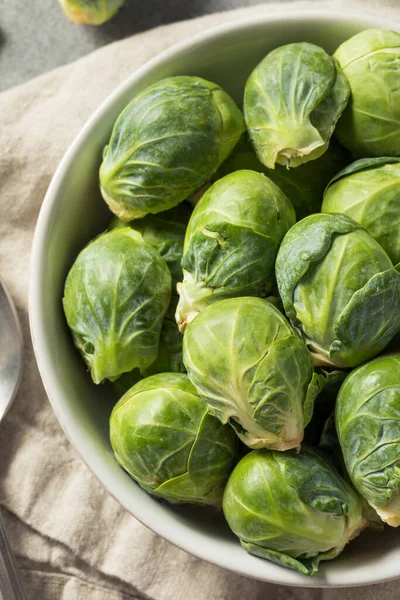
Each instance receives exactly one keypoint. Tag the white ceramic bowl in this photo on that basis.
(73, 212)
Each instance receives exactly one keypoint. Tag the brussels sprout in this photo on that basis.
(167, 143)
(169, 357)
(293, 509)
(162, 434)
(91, 12)
(324, 405)
(370, 124)
(292, 101)
(166, 233)
(231, 242)
(253, 371)
(115, 298)
(368, 426)
(303, 186)
(369, 192)
(339, 289)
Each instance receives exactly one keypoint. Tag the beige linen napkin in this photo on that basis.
(72, 540)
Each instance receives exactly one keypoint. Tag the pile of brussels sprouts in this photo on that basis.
(246, 296)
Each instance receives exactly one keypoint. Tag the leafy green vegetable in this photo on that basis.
(167, 143)
(253, 371)
(339, 289)
(292, 101)
(324, 405)
(115, 298)
(232, 241)
(162, 434)
(293, 509)
(370, 125)
(303, 186)
(169, 357)
(91, 12)
(166, 233)
(369, 192)
(368, 426)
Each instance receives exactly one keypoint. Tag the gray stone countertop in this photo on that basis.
(36, 36)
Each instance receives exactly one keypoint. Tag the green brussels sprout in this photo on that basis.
(303, 186)
(293, 509)
(369, 192)
(324, 405)
(166, 233)
(231, 242)
(169, 357)
(167, 143)
(339, 289)
(91, 12)
(115, 298)
(369, 125)
(368, 426)
(163, 436)
(253, 371)
(292, 101)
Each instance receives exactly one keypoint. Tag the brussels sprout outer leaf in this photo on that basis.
(169, 359)
(334, 104)
(166, 144)
(328, 385)
(163, 436)
(273, 388)
(252, 370)
(211, 459)
(369, 192)
(363, 164)
(321, 511)
(359, 338)
(165, 232)
(115, 298)
(368, 425)
(369, 125)
(315, 387)
(307, 566)
(295, 90)
(308, 241)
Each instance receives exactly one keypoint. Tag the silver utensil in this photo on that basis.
(10, 376)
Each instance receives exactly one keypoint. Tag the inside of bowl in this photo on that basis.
(74, 212)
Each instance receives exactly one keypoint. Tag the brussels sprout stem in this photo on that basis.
(293, 151)
(390, 513)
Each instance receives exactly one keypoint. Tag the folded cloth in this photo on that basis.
(72, 540)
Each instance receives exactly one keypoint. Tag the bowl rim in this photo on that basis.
(37, 318)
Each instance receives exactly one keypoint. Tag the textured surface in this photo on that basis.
(72, 540)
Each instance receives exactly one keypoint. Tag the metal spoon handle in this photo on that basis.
(10, 581)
